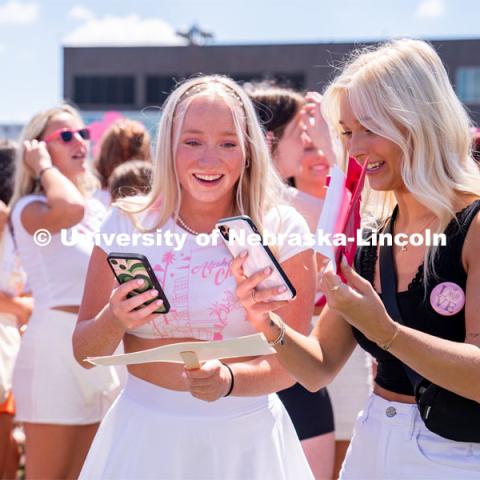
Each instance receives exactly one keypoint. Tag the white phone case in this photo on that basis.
(259, 256)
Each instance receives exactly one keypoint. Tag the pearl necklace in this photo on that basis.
(186, 227)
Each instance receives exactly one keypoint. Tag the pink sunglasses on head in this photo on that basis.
(66, 134)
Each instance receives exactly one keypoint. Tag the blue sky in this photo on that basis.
(32, 32)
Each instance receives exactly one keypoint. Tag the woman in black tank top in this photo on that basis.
(396, 111)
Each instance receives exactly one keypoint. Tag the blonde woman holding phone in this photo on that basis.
(221, 420)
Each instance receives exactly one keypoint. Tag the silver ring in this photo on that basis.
(254, 292)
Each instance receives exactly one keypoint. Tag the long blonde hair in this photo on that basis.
(25, 182)
(259, 187)
(401, 91)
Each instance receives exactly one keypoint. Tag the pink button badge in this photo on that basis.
(447, 298)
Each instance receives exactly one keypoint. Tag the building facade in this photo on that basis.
(138, 79)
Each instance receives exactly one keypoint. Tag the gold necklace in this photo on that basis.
(186, 227)
(404, 247)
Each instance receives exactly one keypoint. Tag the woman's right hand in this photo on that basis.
(257, 303)
(36, 156)
(123, 309)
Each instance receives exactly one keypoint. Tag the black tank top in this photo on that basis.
(414, 303)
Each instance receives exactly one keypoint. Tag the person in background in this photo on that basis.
(125, 140)
(15, 310)
(284, 113)
(59, 403)
(352, 386)
(130, 178)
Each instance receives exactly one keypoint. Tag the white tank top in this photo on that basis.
(56, 272)
(307, 205)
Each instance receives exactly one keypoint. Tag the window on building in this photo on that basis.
(468, 84)
(97, 90)
(158, 87)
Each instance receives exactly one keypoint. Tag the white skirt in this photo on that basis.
(154, 433)
(49, 385)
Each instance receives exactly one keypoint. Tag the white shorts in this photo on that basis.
(154, 433)
(49, 385)
(391, 442)
(349, 392)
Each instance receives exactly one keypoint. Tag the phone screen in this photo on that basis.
(126, 269)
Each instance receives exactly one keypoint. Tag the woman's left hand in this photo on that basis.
(358, 303)
(209, 382)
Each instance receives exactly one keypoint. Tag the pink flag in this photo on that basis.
(341, 214)
(350, 221)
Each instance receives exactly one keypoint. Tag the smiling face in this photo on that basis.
(209, 157)
(384, 157)
(69, 157)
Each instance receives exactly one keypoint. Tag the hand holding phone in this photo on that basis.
(236, 232)
(130, 266)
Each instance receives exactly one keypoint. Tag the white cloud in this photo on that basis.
(16, 13)
(79, 12)
(430, 9)
(128, 30)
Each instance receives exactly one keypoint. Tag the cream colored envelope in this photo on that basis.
(250, 345)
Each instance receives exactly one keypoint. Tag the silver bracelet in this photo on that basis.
(281, 325)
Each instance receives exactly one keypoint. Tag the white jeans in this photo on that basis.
(390, 441)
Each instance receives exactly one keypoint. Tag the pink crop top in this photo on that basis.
(197, 280)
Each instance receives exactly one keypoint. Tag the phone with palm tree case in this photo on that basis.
(130, 266)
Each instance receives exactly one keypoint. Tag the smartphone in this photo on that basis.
(235, 232)
(128, 266)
